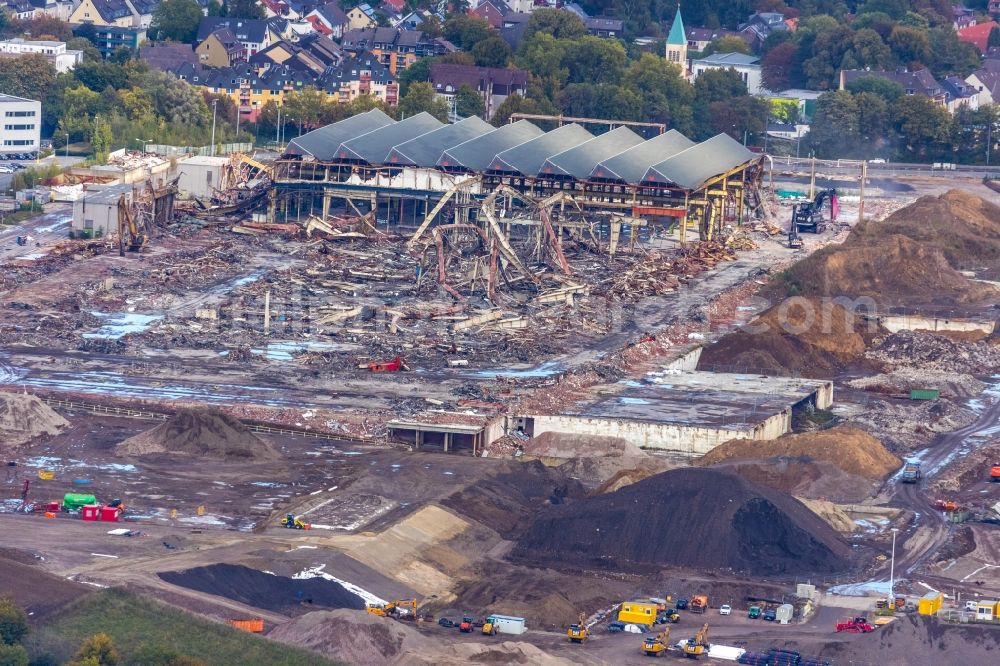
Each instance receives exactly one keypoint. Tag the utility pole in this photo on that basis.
(892, 570)
(989, 137)
(277, 128)
(812, 178)
(215, 106)
(861, 202)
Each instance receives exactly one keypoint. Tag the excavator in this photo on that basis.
(395, 608)
(290, 521)
(130, 237)
(697, 646)
(654, 646)
(578, 632)
(808, 216)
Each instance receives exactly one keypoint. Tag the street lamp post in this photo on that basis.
(144, 142)
(215, 107)
(67, 144)
(892, 570)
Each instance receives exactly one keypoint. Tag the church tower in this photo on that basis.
(677, 43)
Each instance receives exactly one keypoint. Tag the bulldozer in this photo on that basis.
(697, 646)
(396, 608)
(292, 522)
(578, 633)
(654, 646)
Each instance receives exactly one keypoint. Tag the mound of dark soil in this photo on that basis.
(280, 594)
(509, 501)
(694, 518)
(199, 432)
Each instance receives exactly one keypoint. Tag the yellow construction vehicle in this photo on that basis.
(653, 646)
(489, 626)
(695, 647)
(129, 235)
(395, 608)
(292, 522)
(578, 632)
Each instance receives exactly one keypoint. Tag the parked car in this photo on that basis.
(682, 603)
(754, 612)
(876, 161)
(770, 615)
(445, 622)
(725, 609)
(616, 627)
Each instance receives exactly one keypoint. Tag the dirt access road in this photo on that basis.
(43, 233)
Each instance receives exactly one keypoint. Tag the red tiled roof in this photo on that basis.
(977, 35)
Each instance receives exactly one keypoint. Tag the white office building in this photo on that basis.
(22, 122)
(62, 59)
(747, 66)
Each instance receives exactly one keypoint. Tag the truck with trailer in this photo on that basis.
(911, 473)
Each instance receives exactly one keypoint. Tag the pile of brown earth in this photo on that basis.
(362, 639)
(849, 448)
(203, 433)
(912, 258)
(24, 417)
(801, 337)
(694, 518)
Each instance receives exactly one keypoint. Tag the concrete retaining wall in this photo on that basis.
(896, 323)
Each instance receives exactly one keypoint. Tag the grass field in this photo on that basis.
(133, 622)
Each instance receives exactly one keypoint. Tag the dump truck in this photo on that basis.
(699, 604)
(911, 473)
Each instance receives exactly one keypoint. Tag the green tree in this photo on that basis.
(873, 122)
(468, 102)
(556, 22)
(28, 76)
(834, 131)
(421, 97)
(867, 51)
(911, 46)
(923, 128)
(949, 55)
(431, 27)
(743, 118)
(884, 88)
(666, 95)
(517, 104)
(465, 30)
(604, 100)
(100, 139)
(418, 71)
(727, 44)
(308, 107)
(176, 20)
(542, 55)
(994, 39)
(595, 60)
(13, 655)
(90, 51)
(99, 650)
(148, 655)
(13, 622)
(47, 27)
(492, 52)
(719, 85)
(247, 9)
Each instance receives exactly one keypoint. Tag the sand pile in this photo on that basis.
(836, 517)
(24, 417)
(698, 518)
(263, 590)
(926, 351)
(849, 448)
(362, 639)
(199, 432)
(911, 258)
(801, 337)
(508, 501)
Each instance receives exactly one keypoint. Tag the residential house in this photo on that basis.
(960, 93)
(314, 53)
(760, 25)
(221, 49)
(254, 34)
(986, 81)
(106, 13)
(921, 82)
(62, 59)
(978, 34)
(962, 17)
(329, 20)
(22, 10)
(806, 100)
(699, 38)
(993, 8)
(491, 11)
(361, 17)
(393, 7)
(59, 9)
(397, 49)
(142, 12)
(747, 66)
(494, 85)
(412, 20)
(276, 8)
(599, 26)
(515, 25)
(167, 56)
(109, 38)
(525, 6)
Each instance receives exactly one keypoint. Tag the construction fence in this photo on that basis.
(178, 151)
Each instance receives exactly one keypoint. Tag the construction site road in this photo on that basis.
(43, 232)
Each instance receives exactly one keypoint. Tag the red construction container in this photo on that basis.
(110, 514)
(90, 512)
(52, 506)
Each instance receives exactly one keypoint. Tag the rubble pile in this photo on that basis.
(935, 353)
(902, 380)
(906, 427)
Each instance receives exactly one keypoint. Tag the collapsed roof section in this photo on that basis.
(426, 150)
(620, 156)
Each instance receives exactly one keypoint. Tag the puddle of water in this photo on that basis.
(120, 324)
(546, 369)
(63, 221)
(861, 589)
(286, 350)
(34, 256)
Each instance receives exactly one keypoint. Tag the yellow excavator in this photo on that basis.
(394, 608)
(578, 632)
(129, 235)
(654, 646)
(697, 646)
